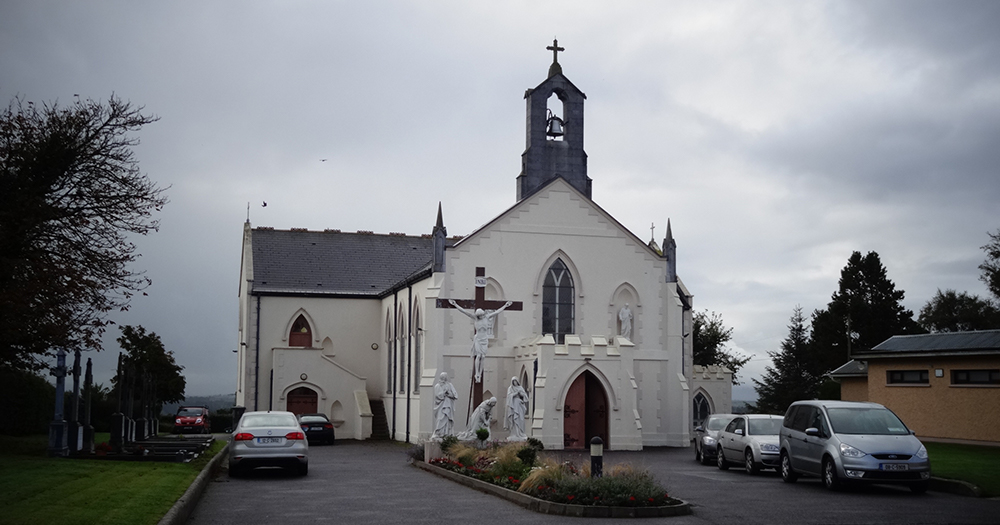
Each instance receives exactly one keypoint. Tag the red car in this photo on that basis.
(192, 419)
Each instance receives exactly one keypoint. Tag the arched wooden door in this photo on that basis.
(585, 412)
(302, 400)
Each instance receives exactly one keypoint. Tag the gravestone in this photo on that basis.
(57, 428)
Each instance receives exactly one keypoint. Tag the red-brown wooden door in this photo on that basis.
(302, 400)
(585, 412)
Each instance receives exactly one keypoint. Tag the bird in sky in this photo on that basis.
(264, 205)
(322, 160)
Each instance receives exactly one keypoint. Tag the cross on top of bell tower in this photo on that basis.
(555, 67)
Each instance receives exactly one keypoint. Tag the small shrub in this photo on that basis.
(536, 444)
(482, 434)
(447, 443)
(527, 455)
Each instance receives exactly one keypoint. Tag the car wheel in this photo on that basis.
(830, 479)
(697, 454)
(787, 474)
(303, 470)
(720, 460)
(751, 465)
(919, 487)
(235, 471)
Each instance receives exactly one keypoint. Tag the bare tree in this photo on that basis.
(71, 193)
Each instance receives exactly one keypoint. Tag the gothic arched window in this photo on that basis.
(557, 302)
(417, 366)
(300, 335)
(701, 409)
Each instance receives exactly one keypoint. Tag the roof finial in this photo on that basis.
(555, 67)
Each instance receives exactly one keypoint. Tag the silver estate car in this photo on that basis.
(844, 441)
(750, 440)
(704, 437)
(268, 439)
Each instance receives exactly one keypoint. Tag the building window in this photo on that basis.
(300, 334)
(908, 377)
(701, 410)
(975, 377)
(557, 302)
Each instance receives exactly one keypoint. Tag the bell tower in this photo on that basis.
(554, 133)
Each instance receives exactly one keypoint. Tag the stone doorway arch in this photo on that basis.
(302, 400)
(585, 412)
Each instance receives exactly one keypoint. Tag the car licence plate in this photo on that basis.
(316, 428)
(270, 440)
(894, 466)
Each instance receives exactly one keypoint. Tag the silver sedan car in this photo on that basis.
(750, 440)
(705, 435)
(268, 439)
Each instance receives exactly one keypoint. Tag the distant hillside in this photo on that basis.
(213, 403)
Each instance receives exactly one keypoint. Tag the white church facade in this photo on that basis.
(358, 325)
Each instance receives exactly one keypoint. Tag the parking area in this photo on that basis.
(372, 483)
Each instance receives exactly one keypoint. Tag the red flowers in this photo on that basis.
(631, 498)
(570, 497)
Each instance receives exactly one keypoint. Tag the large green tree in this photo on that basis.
(991, 266)
(70, 194)
(865, 310)
(952, 311)
(710, 336)
(146, 353)
(791, 378)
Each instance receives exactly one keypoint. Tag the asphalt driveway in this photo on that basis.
(372, 483)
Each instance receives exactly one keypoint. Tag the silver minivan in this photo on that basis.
(846, 441)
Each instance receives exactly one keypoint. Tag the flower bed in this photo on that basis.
(558, 487)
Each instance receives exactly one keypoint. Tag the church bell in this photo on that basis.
(555, 126)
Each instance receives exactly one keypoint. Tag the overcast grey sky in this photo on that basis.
(777, 137)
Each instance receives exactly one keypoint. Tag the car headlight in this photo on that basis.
(922, 453)
(708, 441)
(178, 422)
(850, 452)
(197, 420)
(769, 447)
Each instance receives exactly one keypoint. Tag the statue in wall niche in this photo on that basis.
(517, 406)
(625, 316)
(444, 407)
(480, 419)
(482, 322)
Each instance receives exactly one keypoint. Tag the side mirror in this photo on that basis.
(699, 429)
(813, 431)
(738, 432)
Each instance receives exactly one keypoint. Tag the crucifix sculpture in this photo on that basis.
(476, 309)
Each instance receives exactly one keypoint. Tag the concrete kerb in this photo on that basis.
(561, 509)
(954, 486)
(181, 510)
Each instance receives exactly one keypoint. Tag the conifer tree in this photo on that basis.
(865, 311)
(789, 379)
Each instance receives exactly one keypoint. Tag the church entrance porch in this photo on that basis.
(302, 400)
(585, 412)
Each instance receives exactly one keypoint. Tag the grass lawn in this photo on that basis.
(35, 488)
(976, 464)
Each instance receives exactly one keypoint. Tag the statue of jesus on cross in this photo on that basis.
(481, 340)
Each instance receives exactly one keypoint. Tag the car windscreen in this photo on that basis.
(717, 423)
(268, 420)
(312, 419)
(873, 421)
(189, 412)
(764, 427)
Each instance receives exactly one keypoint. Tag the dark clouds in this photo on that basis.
(777, 136)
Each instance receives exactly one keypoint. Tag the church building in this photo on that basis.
(360, 325)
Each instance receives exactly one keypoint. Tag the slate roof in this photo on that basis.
(852, 368)
(946, 343)
(300, 262)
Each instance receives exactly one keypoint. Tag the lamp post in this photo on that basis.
(596, 457)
